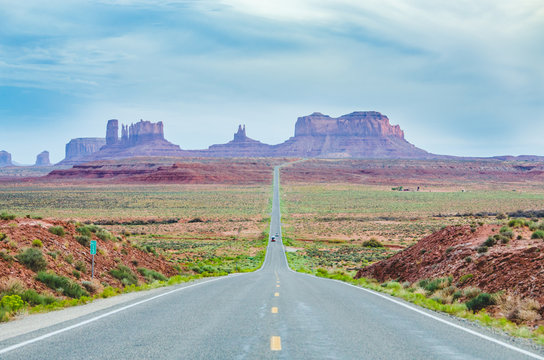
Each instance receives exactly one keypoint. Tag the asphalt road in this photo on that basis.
(273, 313)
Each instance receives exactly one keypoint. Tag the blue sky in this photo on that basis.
(460, 77)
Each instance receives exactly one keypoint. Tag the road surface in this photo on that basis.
(273, 313)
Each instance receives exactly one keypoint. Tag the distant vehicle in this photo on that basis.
(273, 239)
(277, 235)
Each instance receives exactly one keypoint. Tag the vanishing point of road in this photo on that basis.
(273, 313)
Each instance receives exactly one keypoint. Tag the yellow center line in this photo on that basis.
(274, 310)
(277, 294)
(275, 343)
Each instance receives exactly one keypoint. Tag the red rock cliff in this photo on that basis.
(360, 123)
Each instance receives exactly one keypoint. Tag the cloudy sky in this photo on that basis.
(460, 77)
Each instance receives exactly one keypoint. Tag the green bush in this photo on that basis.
(5, 216)
(373, 243)
(37, 243)
(490, 241)
(151, 275)
(3, 236)
(105, 235)
(480, 302)
(12, 303)
(81, 266)
(33, 298)
(506, 231)
(517, 223)
(62, 284)
(32, 259)
(463, 279)
(5, 256)
(538, 234)
(57, 230)
(125, 275)
(482, 249)
(84, 240)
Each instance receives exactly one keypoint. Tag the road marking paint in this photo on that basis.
(88, 321)
(275, 343)
(274, 310)
(446, 322)
(276, 294)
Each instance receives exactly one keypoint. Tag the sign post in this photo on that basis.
(93, 252)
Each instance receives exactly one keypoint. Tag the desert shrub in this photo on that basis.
(57, 230)
(471, 292)
(84, 240)
(84, 231)
(76, 274)
(33, 259)
(432, 285)
(507, 232)
(125, 275)
(490, 242)
(463, 279)
(195, 220)
(34, 298)
(151, 275)
(538, 234)
(69, 258)
(480, 302)
(518, 310)
(468, 259)
(5, 256)
(105, 235)
(3, 236)
(53, 254)
(372, 243)
(482, 249)
(12, 303)
(61, 284)
(37, 243)
(501, 216)
(81, 266)
(450, 249)
(6, 216)
(90, 286)
(517, 223)
(457, 295)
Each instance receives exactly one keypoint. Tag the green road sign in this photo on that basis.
(93, 247)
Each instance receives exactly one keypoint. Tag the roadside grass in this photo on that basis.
(437, 295)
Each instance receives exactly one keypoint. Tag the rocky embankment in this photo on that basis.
(514, 266)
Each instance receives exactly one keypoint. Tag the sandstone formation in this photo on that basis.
(141, 139)
(5, 158)
(77, 150)
(43, 159)
(362, 134)
(240, 146)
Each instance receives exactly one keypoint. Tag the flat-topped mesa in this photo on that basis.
(145, 132)
(134, 134)
(80, 148)
(43, 159)
(5, 158)
(359, 123)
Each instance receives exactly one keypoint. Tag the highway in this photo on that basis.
(273, 313)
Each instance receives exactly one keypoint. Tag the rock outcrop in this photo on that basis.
(43, 159)
(77, 150)
(143, 138)
(5, 158)
(361, 134)
(240, 146)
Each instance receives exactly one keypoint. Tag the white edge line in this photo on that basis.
(413, 308)
(88, 321)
